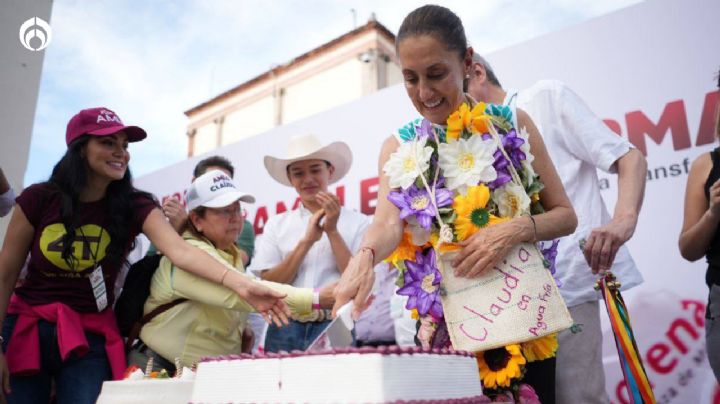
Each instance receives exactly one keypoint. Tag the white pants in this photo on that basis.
(579, 374)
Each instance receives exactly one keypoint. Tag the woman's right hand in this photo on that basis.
(356, 283)
(4, 375)
(269, 303)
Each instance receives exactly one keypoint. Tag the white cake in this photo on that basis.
(138, 390)
(364, 375)
(151, 391)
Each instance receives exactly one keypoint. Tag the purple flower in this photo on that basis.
(550, 256)
(422, 285)
(503, 177)
(526, 395)
(512, 147)
(425, 129)
(511, 144)
(418, 203)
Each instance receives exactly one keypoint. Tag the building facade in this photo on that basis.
(355, 64)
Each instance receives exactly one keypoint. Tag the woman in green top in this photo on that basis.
(212, 319)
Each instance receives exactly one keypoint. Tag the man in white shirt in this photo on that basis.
(579, 143)
(7, 196)
(311, 245)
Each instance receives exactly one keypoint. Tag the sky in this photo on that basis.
(151, 61)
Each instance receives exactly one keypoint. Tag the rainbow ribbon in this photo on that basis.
(633, 370)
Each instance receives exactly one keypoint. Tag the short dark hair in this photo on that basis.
(438, 22)
(287, 167)
(489, 72)
(213, 161)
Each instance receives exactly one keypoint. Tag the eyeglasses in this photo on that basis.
(227, 212)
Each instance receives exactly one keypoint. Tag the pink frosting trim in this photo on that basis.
(383, 350)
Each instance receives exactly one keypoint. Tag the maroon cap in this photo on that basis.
(100, 122)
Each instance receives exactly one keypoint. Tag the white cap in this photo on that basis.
(215, 189)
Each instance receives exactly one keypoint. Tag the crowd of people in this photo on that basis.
(74, 232)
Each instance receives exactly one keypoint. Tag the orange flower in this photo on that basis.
(404, 251)
(480, 120)
(458, 121)
(476, 120)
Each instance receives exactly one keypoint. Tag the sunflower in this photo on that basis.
(404, 251)
(541, 348)
(472, 213)
(499, 366)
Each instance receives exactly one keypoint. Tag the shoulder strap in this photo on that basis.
(135, 331)
(715, 157)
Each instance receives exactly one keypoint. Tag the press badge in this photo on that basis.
(97, 281)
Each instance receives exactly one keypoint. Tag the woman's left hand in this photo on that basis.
(484, 249)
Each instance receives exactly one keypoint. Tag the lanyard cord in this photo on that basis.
(97, 249)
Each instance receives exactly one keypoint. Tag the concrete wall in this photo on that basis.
(20, 71)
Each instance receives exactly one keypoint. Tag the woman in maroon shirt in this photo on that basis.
(78, 228)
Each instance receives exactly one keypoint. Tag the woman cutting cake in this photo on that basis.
(210, 319)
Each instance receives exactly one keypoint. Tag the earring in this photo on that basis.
(467, 76)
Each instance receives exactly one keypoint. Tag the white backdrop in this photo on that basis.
(649, 70)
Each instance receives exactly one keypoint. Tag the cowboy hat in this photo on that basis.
(308, 147)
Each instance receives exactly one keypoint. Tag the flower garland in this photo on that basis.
(454, 181)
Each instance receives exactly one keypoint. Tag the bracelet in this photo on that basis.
(316, 299)
(372, 251)
(2, 340)
(532, 219)
(222, 278)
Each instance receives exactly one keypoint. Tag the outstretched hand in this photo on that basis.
(269, 303)
(356, 284)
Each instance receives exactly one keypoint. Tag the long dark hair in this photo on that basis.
(69, 177)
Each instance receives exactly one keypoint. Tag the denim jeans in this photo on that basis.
(295, 335)
(77, 379)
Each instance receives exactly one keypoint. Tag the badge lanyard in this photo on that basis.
(97, 280)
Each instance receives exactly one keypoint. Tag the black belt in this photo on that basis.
(374, 343)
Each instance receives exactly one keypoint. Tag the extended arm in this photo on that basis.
(382, 237)
(604, 242)
(266, 301)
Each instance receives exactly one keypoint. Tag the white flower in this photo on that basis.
(529, 158)
(468, 162)
(512, 200)
(407, 163)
